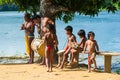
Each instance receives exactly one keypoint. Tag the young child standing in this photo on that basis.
(71, 40)
(92, 47)
(51, 42)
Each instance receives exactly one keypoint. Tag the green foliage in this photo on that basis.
(85, 7)
(82, 7)
(6, 7)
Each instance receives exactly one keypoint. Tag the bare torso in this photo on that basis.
(82, 43)
(71, 39)
(91, 46)
(50, 38)
(29, 28)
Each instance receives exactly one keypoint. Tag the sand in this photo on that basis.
(37, 72)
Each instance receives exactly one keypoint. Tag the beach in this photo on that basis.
(106, 27)
(38, 72)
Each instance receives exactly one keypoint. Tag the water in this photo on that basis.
(106, 27)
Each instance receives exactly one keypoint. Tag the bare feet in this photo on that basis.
(61, 67)
(94, 69)
(69, 64)
(30, 62)
(42, 63)
(48, 70)
(89, 71)
(58, 66)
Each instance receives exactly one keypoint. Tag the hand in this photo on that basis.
(22, 27)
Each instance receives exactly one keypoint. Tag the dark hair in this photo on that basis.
(91, 33)
(36, 16)
(51, 27)
(27, 15)
(69, 28)
(81, 33)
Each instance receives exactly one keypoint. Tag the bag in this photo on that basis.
(38, 45)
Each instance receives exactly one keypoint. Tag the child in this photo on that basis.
(92, 47)
(71, 40)
(51, 41)
(76, 51)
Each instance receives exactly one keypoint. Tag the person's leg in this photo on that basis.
(75, 55)
(47, 59)
(59, 61)
(51, 59)
(94, 62)
(64, 59)
(43, 61)
(89, 63)
(89, 67)
(31, 51)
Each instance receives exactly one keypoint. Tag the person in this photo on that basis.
(71, 40)
(37, 22)
(75, 51)
(51, 41)
(92, 47)
(28, 27)
(44, 22)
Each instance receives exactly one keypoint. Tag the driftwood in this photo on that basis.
(48, 9)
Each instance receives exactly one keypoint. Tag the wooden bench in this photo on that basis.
(108, 59)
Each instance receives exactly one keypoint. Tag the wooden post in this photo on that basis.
(107, 63)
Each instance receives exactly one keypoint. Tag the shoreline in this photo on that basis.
(19, 60)
(37, 72)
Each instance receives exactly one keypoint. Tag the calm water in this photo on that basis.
(106, 27)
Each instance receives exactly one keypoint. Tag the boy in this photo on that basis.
(71, 40)
(92, 47)
(51, 42)
(75, 51)
(28, 27)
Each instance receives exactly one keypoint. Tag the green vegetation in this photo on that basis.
(6, 7)
(65, 9)
(30, 6)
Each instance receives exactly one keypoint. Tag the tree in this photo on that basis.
(66, 9)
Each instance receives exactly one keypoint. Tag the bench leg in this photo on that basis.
(107, 63)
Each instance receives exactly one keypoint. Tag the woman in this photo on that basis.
(28, 27)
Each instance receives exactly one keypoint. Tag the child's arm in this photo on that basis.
(97, 47)
(81, 41)
(56, 41)
(85, 47)
(74, 39)
(38, 28)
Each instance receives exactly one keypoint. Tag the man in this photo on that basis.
(37, 22)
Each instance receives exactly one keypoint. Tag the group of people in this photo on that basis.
(46, 30)
(86, 44)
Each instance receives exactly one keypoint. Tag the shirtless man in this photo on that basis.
(37, 22)
(71, 40)
(92, 47)
(51, 41)
(28, 27)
